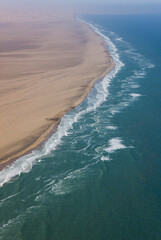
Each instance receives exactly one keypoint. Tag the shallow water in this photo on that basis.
(99, 176)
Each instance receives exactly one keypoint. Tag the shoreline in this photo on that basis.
(52, 127)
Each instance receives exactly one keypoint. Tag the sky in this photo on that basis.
(91, 6)
(114, 1)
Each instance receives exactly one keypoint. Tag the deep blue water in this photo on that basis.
(99, 176)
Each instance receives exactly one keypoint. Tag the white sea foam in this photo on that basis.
(140, 74)
(5, 225)
(135, 95)
(114, 145)
(66, 183)
(114, 111)
(11, 196)
(135, 86)
(17, 220)
(119, 39)
(25, 163)
(104, 158)
(111, 127)
(150, 65)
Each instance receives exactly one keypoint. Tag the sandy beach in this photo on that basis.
(47, 67)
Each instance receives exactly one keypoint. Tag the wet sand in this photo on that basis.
(47, 67)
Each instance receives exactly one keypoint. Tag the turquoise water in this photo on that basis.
(99, 176)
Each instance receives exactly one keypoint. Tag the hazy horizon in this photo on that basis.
(89, 6)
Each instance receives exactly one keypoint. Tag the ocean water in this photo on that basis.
(99, 176)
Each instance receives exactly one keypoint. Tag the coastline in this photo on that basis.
(51, 127)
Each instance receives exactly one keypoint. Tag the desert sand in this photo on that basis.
(47, 67)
